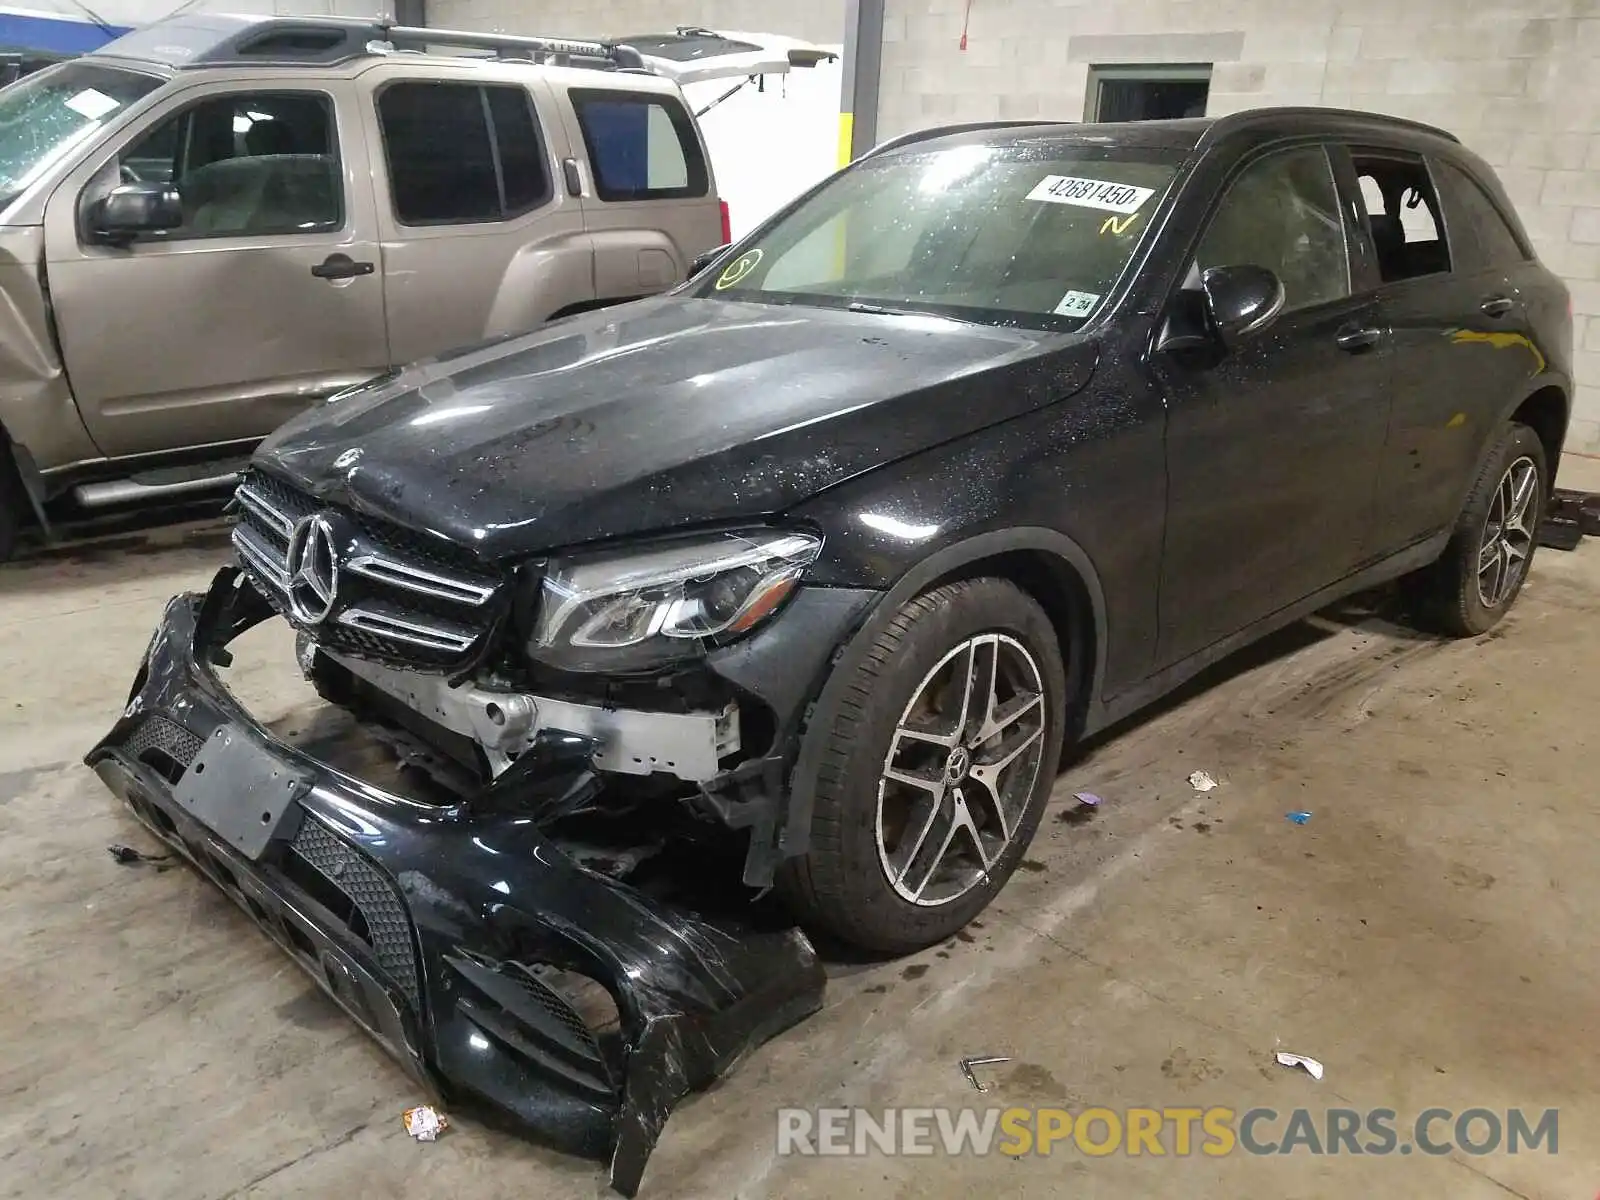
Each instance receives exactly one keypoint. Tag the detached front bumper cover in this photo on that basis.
(444, 931)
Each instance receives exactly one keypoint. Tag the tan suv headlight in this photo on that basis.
(648, 607)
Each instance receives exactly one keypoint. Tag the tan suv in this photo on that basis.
(216, 221)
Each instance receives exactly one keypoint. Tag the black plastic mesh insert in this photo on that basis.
(172, 739)
(375, 897)
(560, 1010)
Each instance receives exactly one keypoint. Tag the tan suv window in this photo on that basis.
(642, 145)
(246, 163)
(461, 152)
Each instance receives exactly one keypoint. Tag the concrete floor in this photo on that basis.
(1429, 935)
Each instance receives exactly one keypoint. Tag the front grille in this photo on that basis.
(393, 595)
(383, 922)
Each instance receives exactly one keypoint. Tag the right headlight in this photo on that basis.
(649, 607)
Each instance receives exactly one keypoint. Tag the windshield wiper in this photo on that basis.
(883, 310)
(861, 306)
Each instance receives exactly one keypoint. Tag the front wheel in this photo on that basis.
(1486, 562)
(937, 762)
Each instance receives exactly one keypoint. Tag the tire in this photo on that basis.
(13, 504)
(844, 886)
(1452, 596)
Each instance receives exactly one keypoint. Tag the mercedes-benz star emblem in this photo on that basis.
(313, 569)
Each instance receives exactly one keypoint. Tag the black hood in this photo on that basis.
(664, 413)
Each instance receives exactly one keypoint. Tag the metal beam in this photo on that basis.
(863, 64)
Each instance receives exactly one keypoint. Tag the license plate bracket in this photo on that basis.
(239, 790)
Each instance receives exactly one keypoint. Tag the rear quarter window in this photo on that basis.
(641, 145)
(1479, 227)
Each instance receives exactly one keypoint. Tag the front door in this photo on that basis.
(268, 296)
(1273, 448)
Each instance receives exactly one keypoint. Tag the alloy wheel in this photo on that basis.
(1507, 533)
(962, 764)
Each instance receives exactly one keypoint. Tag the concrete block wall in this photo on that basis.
(816, 20)
(1514, 79)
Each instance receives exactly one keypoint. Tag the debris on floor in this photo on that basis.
(128, 856)
(1299, 818)
(424, 1122)
(1200, 781)
(1312, 1067)
(1571, 517)
(1088, 798)
(983, 1061)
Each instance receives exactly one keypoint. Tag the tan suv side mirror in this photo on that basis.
(125, 212)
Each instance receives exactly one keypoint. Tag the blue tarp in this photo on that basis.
(56, 34)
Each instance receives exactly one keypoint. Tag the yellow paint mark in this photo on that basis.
(1457, 421)
(1500, 341)
(847, 132)
(1119, 227)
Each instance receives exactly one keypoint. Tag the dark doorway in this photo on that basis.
(1148, 94)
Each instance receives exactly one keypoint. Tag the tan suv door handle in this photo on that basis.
(341, 266)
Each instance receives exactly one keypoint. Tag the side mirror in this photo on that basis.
(706, 259)
(1241, 300)
(125, 212)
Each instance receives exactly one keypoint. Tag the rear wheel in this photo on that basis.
(1477, 578)
(938, 760)
(13, 503)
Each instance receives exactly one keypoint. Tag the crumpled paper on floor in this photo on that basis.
(424, 1122)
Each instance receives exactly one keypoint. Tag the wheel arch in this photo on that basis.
(1052, 568)
(1546, 410)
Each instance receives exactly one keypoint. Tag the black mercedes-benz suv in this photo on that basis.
(831, 554)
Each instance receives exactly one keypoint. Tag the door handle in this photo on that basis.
(1356, 340)
(341, 266)
(574, 180)
(1497, 306)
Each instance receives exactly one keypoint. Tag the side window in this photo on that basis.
(1282, 213)
(641, 145)
(1475, 216)
(459, 153)
(1403, 214)
(246, 163)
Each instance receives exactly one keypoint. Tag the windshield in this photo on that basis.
(1033, 234)
(46, 114)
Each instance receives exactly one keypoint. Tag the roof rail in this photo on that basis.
(923, 135)
(1252, 116)
(561, 51)
(196, 40)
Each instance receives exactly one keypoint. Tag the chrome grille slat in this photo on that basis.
(266, 561)
(263, 508)
(415, 579)
(401, 629)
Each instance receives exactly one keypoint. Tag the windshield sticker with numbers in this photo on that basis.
(1077, 304)
(1103, 194)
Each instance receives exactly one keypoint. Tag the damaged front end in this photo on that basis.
(492, 960)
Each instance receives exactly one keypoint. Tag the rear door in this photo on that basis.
(221, 329)
(645, 184)
(1462, 341)
(479, 236)
(1273, 448)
